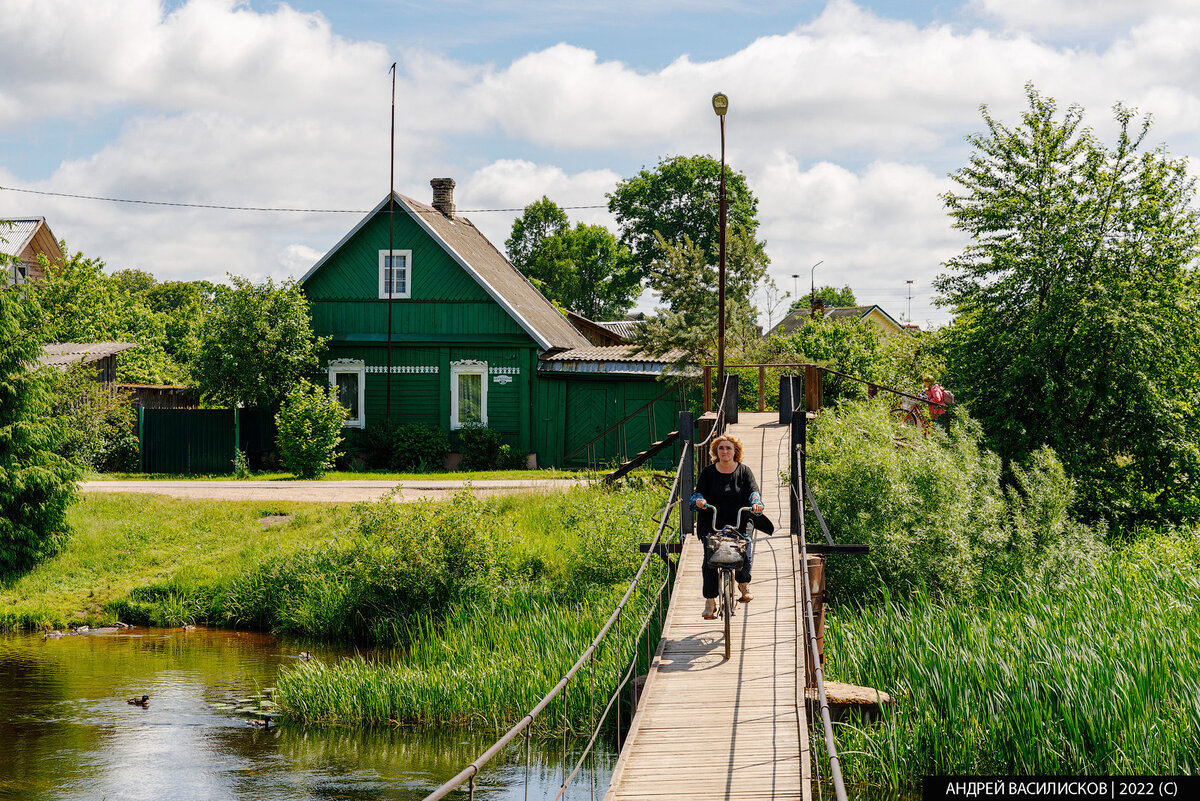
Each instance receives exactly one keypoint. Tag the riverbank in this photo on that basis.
(289, 566)
(1094, 678)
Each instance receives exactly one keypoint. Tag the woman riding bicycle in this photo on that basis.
(728, 485)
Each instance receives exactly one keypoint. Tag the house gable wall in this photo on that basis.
(448, 318)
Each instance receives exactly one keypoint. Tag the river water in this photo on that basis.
(67, 732)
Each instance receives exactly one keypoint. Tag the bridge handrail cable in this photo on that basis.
(835, 768)
(469, 773)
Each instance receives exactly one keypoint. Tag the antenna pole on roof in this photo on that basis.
(391, 267)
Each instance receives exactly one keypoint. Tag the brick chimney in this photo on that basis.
(443, 195)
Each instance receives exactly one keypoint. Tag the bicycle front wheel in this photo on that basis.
(727, 608)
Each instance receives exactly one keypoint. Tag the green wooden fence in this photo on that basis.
(199, 441)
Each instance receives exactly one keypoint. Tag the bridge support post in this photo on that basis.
(816, 590)
(687, 478)
(813, 391)
(731, 398)
(799, 431)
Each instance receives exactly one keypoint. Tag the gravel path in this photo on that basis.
(328, 491)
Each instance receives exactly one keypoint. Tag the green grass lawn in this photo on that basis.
(124, 541)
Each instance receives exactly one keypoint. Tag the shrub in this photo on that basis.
(403, 560)
(310, 429)
(934, 510)
(98, 421)
(413, 447)
(484, 449)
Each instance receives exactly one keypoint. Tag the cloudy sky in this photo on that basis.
(846, 116)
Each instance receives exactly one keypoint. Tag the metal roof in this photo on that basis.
(64, 354)
(17, 237)
(622, 328)
(609, 359)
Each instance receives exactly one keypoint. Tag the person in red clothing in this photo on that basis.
(936, 395)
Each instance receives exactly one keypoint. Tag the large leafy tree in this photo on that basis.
(85, 304)
(681, 198)
(255, 344)
(687, 283)
(583, 268)
(36, 485)
(1077, 304)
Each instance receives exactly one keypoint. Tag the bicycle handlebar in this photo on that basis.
(738, 521)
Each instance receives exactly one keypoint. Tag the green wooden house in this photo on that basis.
(472, 340)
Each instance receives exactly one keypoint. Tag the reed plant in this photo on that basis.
(1097, 676)
(485, 658)
(484, 665)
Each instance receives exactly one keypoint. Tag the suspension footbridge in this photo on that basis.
(710, 728)
(707, 727)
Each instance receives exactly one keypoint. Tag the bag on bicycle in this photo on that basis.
(725, 551)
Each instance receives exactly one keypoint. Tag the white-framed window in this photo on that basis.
(349, 377)
(468, 393)
(395, 274)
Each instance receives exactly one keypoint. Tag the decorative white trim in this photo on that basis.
(406, 255)
(468, 367)
(356, 367)
(504, 370)
(408, 368)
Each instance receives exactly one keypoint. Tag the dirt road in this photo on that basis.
(328, 491)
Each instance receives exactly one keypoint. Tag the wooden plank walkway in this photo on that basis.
(707, 728)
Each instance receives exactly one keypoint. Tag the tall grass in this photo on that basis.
(1099, 677)
(484, 666)
(487, 655)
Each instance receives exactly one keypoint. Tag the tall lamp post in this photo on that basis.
(720, 104)
(812, 276)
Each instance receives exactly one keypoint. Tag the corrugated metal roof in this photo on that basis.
(609, 359)
(65, 354)
(622, 328)
(17, 237)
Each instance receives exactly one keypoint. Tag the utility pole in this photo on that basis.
(909, 301)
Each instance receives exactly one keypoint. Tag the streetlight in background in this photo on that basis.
(812, 275)
(795, 285)
(720, 104)
(909, 301)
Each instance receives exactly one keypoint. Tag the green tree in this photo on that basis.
(84, 304)
(831, 295)
(255, 344)
(310, 429)
(36, 485)
(541, 220)
(687, 283)
(583, 269)
(1076, 307)
(681, 198)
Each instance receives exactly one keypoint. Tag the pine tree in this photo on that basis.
(36, 485)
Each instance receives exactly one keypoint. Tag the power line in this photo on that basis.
(253, 208)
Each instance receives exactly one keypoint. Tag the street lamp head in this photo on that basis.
(720, 104)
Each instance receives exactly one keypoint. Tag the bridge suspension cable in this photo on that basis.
(835, 768)
(467, 775)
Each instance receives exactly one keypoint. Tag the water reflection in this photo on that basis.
(67, 732)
